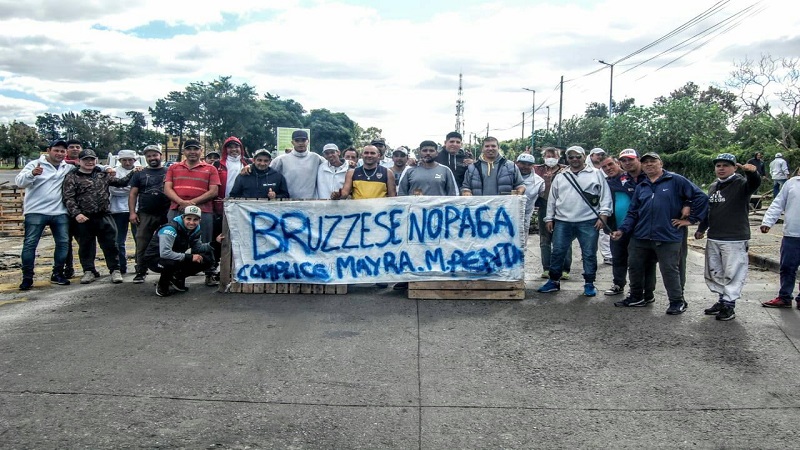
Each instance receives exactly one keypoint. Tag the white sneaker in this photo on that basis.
(116, 277)
(87, 277)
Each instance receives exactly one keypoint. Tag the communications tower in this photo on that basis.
(460, 107)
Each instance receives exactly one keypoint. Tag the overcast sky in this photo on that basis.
(389, 64)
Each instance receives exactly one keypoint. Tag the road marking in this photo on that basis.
(17, 300)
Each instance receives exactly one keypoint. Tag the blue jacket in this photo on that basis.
(655, 204)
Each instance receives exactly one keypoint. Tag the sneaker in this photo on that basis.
(550, 286)
(210, 281)
(381, 285)
(715, 309)
(69, 272)
(116, 277)
(565, 276)
(26, 285)
(630, 302)
(726, 313)
(139, 278)
(59, 279)
(615, 290)
(162, 292)
(777, 302)
(400, 286)
(648, 300)
(589, 290)
(676, 308)
(178, 284)
(545, 275)
(88, 277)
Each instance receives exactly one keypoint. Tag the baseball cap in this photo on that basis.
(526, 158)
(192, 143)
(628, 153)
(126, 154)
(262, 151)
(779, 155)
(152, 148)
(596, 150)
(725, 157)
(379, 141)
(576, 149)
(332, 147)
(401, 149)
(214, 152)
(193, 210)
(651, 155)
(59, 143)
(87, 153)
(299, 134)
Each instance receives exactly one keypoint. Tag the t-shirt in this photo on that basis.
(437, 180)
(191, 183)
(370, 183)
(150, 183)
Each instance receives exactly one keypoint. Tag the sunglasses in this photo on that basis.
(574, 157)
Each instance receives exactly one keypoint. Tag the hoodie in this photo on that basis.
(173, 239)
(455, 163)
(227, 175)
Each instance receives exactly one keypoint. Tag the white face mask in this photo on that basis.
(550, 162)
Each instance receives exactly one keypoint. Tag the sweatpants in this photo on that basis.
(726, 269)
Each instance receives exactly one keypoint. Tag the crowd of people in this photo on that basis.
(628, 207)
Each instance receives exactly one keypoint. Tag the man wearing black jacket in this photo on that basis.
(728, 232)
(454, 157)
(262, 181)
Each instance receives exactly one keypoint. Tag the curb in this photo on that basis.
(764, 262)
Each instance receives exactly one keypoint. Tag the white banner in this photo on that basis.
(380, 240)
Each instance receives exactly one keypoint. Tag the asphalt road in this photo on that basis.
(113, 366)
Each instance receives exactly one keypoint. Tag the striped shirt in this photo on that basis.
(193, 182)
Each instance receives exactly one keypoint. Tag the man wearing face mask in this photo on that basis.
(547, 171)
(147, 204)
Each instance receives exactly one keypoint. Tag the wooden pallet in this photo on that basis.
(12, 222)
(467, 290)
(226, 283)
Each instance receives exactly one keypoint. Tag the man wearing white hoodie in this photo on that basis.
(788, 203)
(578, 207)
(299, 167)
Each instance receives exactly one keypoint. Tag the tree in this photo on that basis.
(17, 140)
(327, 127)
(49, 126)
(771, 87)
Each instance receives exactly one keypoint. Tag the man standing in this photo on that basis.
(331, 174)
(758, 161)
(262, 181)
(120, 211)
(166, 252)
(229, 166)
(547, 172)
(299, 167)
(788, 203)
(597, 155)
(42, 180)
(534, 187)
(86, 197)
(147, 194)
(492, 174)
(454, 157)
(578, 207)
(654, 220)
(370, 180)
(779, 172)
(400, 160)
(74, 148)
(193, 183)
(351, 157)
(212, 158)
(728, 228)
(429, 177)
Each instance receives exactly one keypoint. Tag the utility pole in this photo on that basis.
(548, 119)
(460, 108)
(610, 89)
(533, 113)
(560, 109)
(487, 129)
(523, 125)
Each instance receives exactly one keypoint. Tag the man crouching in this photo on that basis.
(166, 253)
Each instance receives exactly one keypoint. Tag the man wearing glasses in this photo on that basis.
(299, 167)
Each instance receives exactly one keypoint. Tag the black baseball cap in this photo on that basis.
(192, 143)
(299, 134)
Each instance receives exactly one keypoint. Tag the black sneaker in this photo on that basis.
(178, 284)
(59, 279)
(402, 286)
(726, 313)
(630, 302)
(26, 285)
(676, 308)
(614, 290)
(715, 309)
(139, 278)
(211, 281)
(69, 272)
(648, 300)
(162, 292)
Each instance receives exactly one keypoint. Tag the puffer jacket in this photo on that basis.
(508, 176)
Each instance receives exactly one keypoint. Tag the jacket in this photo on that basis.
(788, 203)
(43, 193)
(622, 185)
(222, 168)
(172, 240)
(455, 163)
(87, 193)
(258, 183)
(656, 203)
(566, 204)
(506, 172)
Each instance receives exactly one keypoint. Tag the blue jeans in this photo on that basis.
(34, 226)
(546, 245)
(563, 235)
(790, 261)
(776, 187)
(122, 222)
